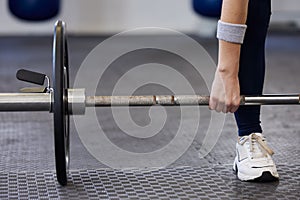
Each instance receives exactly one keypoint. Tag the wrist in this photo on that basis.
(229, 58)
(228, 72)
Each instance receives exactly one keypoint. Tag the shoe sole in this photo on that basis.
(264, 178)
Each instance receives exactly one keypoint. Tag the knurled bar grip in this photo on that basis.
(173, 100)
(146, 100)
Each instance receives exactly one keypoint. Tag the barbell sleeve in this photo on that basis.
(25, 102)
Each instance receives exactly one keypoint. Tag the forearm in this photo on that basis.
(233, 11)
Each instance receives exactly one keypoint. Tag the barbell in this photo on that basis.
(63, 101)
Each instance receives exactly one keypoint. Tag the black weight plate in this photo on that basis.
(60, 104)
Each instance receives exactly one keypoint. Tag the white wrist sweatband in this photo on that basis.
(229, 32)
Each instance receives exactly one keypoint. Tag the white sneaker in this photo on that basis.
(253, 161)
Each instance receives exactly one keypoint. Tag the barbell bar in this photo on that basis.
(78, 101)
(63, 101)
(183, 100)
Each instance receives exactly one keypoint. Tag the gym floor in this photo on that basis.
(27, 168)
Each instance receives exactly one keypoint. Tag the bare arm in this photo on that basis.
(225, 94)
(233, 11)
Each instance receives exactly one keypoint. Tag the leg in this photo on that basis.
(253, 160)
(252, 64)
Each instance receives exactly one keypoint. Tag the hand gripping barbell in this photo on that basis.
(63, 101)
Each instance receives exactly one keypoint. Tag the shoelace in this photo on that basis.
(256, 138)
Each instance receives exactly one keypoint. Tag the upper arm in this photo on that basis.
(234, 11)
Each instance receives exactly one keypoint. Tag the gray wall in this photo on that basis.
(111, 16)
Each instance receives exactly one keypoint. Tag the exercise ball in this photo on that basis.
(34, 10)
(208, 8)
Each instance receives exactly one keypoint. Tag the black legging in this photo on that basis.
(252, 64)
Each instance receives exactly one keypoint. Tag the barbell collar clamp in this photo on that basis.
(76, 101)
